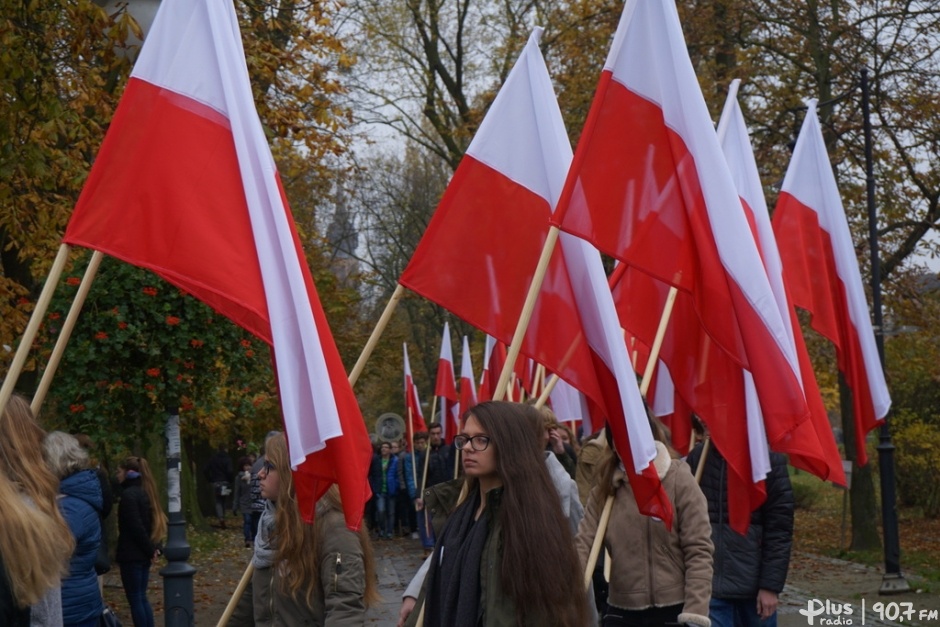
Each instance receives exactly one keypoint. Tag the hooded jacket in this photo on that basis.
(650, 565)
(81, 505)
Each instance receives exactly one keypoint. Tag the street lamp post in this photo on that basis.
(178, 573)
(893, 581)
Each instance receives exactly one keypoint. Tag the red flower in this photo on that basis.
(186, 406)
(189, 365)
(153, 372)
(73, 280)
(179, 377)
(249, 353)
(245, 344)
(150, 291)
(172, 321)
(196, 343)
(76, 408)
(22, 300)
(101, 335)
(149, 387)
(122, 325)
(55, 315)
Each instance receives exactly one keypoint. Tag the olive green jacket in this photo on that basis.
(338, 600)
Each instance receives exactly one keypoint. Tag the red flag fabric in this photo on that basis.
(821, 271)
(468, 395)
(412, 403)
(494, 214)
(445, 388)
(811, 445)
(649, 176)
(185, 185)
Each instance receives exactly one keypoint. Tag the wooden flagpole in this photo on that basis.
(32, 327)
(376, 334)
(546, 391)
(644, 386)
(701, 460)
(67, 327)
(434, 409)
(411, 445)
(527, 308)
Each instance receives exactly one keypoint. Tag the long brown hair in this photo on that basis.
(21, 461)
(298, 542)
(139, 464)
(31, 544)
(536, 538)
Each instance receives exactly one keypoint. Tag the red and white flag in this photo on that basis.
(412, 403)
(445, 388)
(468, 394)
(811, 445)
(648, 177)
(822, 275)
(185, 185)
(517, 163)
(571, 406)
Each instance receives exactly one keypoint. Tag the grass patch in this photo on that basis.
(819, 530)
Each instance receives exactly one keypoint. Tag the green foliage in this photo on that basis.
(918, 463)
(141, 345)
(805, 496)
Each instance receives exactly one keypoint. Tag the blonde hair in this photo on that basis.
(25, 471)
(298, 542)
(139, 464)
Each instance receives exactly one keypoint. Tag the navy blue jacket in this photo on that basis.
(81, 505)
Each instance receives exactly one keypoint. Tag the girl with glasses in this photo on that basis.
(304, 574)
(505, 555)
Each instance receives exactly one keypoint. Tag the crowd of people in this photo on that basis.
(507, 514)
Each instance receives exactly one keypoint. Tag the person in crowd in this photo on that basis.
(103, 559)
(657, 575)
(35, 543)
(304, 574)
(405, 499)
(500, 519)
(750, 570)
(424, 526)
(441, 460)
(257, 501)
(568, 439)
(141, 528)
(383, 479)
(81, 504)
(241, 498)
(554, 443)
(218, 472)
(590, 458)
(21, 458)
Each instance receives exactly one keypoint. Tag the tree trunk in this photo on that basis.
(863, 506)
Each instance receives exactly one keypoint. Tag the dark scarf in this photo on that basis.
(453, 591)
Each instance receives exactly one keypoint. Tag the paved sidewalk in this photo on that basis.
(818, 579)
(812, 579)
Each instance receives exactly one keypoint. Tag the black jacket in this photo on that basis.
(760, 559)
(440, 465)
(135, 522)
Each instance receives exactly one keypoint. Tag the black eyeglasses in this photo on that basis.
(268, 466)
(478, 442)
